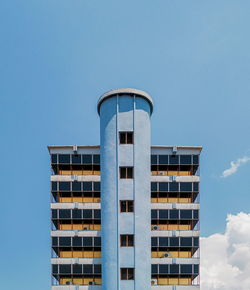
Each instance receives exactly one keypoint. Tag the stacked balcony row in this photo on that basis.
(89, 164)
(161, 192)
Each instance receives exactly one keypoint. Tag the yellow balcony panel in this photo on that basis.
(77, 254)
(173, 281)
(185, 200)
(76, 172)
(64, 172)
(87, 172)
(185, 281)
(87, 199)
(65, 199)
(77, 227)
(65, 227)
(97, 200)
(77, 199)
(184, 227)
(163, 281)
(63, 281)
(65, 254)
(97, 254)
(184, 173)
(87, 280)
(98, 281)
(77, 281)
(96, 172)
(173, 199)
(96, 227)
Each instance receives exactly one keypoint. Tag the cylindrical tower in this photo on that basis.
(125, 182)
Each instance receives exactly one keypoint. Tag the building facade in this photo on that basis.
(125, 214)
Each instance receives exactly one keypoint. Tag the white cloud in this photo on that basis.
(225, 258)
(235, 166)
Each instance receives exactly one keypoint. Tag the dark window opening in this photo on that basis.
(127, 205)
(127, 273)
(127, 240)
(126, 172)
(126, 138)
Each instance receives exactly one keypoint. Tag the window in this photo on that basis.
(64, 186)
(54, 186)
(77, 269)
(174, 214)
(126, 172)
(163, 159)
(163, 269)
(76, 186)
(174, 186)
(154, 242)
(65, 269)
(163, 186)
(127, 273)
(153, 159)
(76, 159)
(64, 214)
(163, 242)
(76, 214)
(186, 214)
(96, 159)
(196, 159)
(64, 158)
(87, 159)
(77, 241)
(127, 240)
(54, 158)
(186, 242)
(126, 138)
(174, 242)
(87, 241)
(127, 205)
(186, 159)
(87, 186)
(153, 186)
(186, 269)
(154, 269)
(186, 186)
(163, 214)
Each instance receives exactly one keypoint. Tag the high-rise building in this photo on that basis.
(125, 214)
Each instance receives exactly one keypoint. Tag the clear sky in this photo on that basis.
(58, 57)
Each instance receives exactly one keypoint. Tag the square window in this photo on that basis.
(97, 241)
(126, 172)
(174, 214)
(76, 159)
(174, 242)
(87, 242)
(163, 269)
(127, 240)
(126, 138)
(97, 186)
(174, 186)
(127, 273)
(77, 241)
(186, 242)
(87, 186)
(163, 242)
(163, 186)
(77, 269)
(87, 159)
(163, 159)
(76, 214)
(127, 205)
(174, 269)
(163, 214)
(174, 159)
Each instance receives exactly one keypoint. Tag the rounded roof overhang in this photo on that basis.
(127, 91)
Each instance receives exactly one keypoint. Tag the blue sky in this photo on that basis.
(58, 57)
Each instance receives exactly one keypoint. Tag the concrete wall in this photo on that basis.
(125, 113)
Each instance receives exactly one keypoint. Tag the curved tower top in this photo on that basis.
(127, 91)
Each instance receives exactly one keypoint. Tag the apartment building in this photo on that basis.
(125, 214)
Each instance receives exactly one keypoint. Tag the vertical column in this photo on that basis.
(125, 110)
